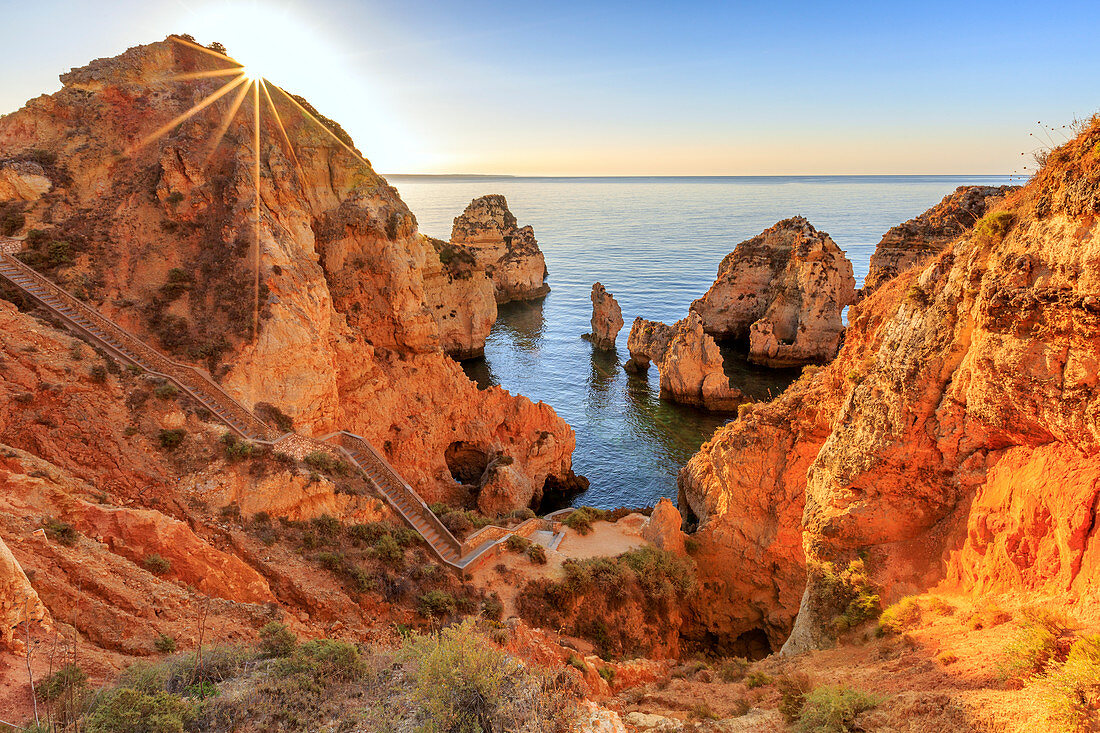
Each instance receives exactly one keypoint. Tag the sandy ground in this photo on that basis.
(511, 572)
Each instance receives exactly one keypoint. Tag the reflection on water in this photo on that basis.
(758, 383)
(655, 244)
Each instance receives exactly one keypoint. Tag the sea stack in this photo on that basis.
(918, 240)
(689, 362)
(783, 291)
(508, 253)
(607, 318)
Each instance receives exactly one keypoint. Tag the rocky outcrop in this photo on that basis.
(508, 253)
(23, 180)
(663, 528)
(357, 308)
(918, 240)
(689, 362)
(783, 291)
(692, 370)
(648, 342)
(607, 318)
(19, 602)
(952, 442)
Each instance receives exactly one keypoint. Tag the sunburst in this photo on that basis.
(243, 81)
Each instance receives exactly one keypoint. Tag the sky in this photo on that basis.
(628, 88)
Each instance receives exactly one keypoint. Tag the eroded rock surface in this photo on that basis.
(918, 240)
(507, 252)
(952, 442)
(783, 291)
(607, 318)
(357, 309)
(689, 362)
(19, 602)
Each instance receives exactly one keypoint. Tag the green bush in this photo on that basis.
(61, 532)
(492, 607)
(1069, 691)
(325, 660)
(127, 710)
(832, 709)
(236, 449)
(164, 644)
(733, 670)
(321, 461)
(157, 564)
(994, 225)
(60, 253)
(901, 616)
(171, 439)
(517, 544)
(793, 689)
(167, 391)
(757, 679)
(1034, 645)
(846, 595)
(276, 640)
(536, 554)
(461, 683)
(437, 603)
(62, 682)
(580, 520)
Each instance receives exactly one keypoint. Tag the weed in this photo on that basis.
(1069, 690)
(157, 564)
(901, 616)
(171, 439)
(1035, 644)
(793, 689)
(733, 670)
(276, 640)
(167, 391)
(832, 709)
(164, 644)
(61, 532)
(756, 679)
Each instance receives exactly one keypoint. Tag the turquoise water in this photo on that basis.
(655, 243)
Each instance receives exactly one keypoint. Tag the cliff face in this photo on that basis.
(509, 253)
(357, 308)
(954, 438)
(783, 291)
(918, 240)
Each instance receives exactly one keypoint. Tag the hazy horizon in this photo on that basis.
(489, 87)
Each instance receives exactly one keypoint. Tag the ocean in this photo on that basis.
(655, 243)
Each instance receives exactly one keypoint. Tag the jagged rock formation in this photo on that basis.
(953, 441)
(509, 253)
(918, 240)
(663, 528)
(23, 180)
(607, 318)
(689, 362)
(783, 291)
(19, 602)
(357, 308)
(648, 342)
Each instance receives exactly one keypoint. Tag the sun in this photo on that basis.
(251, 72)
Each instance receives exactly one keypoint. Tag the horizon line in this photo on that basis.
(707, 175)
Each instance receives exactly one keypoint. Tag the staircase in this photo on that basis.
(197, 383)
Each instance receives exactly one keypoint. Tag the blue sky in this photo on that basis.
(610, 88)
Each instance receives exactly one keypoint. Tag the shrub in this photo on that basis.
(325, 660)
(847, 594)
(156, 564)
(579, 520)
(164, 644)
(517, 544)
(59, 253)
(607, 673)
(61, 532)
(276, 640)
(756, 679)
(437, 603)
(940, 607)
(98, 373)
(492, 607)
(171, 439)
(461, 683)
(901, 616)
(127, 710)
(237, 450)
(793, 689)
(179, 282)
(1034, 646)
(832, 709)
(166, 391)
(994, 225)
(321, 461)
(62, 682)
(733, 670)
(1070, 690)
(986, 616)
(269, 413)
(537, 554)
(388, 550)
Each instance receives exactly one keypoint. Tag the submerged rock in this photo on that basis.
(918, 240)
(783, 291)
(509, 254)
(607, 318)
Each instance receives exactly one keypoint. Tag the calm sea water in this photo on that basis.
(655, 243)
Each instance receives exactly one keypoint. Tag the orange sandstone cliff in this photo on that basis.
(356, 307)
(951, 443)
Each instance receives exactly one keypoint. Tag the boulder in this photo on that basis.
(692, 371)
(663, 528)
(648, 342)
(607, 318)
